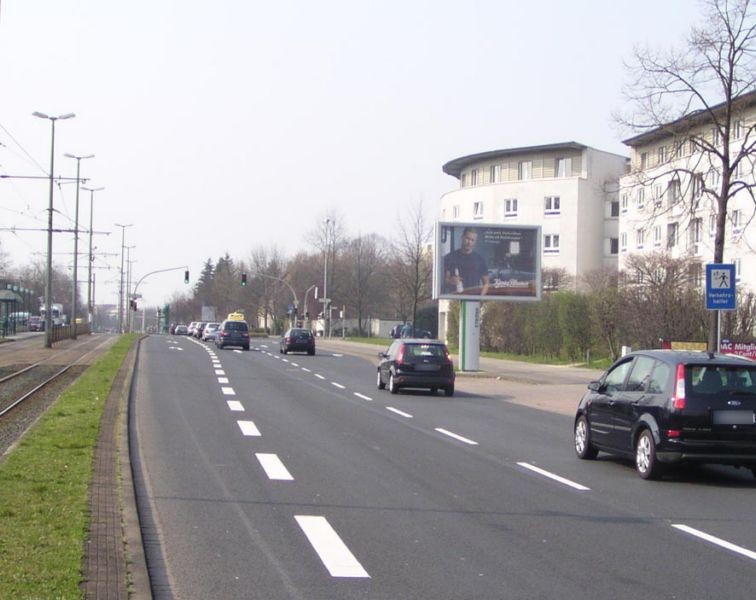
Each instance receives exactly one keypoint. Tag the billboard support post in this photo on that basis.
(469, 335)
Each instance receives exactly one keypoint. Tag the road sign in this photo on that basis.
(720, 286)
(324, 300)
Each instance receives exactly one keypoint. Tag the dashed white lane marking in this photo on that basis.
(235, 405)
(238, 351)
(457, 437)
(306, 370)
(175, 348)
(249, 428)
(228, 391)
(399, 412)
(222, 379)
(334, 553)
(562, 480)
(717, 541)
(293, 364)
(285, 360)
(273, 467)
(368, 398)
(220, 372)
(319, 376)
(338, 385)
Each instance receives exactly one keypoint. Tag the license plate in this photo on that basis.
(734, 417)
(427, 367)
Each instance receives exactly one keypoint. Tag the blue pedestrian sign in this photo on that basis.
(720, 286)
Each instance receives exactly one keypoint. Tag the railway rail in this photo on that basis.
(27, 389)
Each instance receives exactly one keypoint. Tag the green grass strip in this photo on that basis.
(44, 485)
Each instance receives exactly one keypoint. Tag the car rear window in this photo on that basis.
(716, 379)
(425, 351)
(236, 326)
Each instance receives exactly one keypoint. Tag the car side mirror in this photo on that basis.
(594, 386)
(382, 355)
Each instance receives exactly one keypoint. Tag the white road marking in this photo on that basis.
(338, 355)
(222, 379)
(293, 364)
(285, 360)
(306, 370)
(338, 385)
(545, 473)
(273, 467)
(717, 541)
(319, 376)
(399, 412)
(220, 372)
(368, 398)
(238, 351)
(235, 405)
(457, 437)
(249, 428)
(228, 391)
(175, 348)
(335, 555)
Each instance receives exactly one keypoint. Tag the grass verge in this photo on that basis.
(44, 486)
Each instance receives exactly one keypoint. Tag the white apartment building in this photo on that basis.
(667, 199)
(569, 189)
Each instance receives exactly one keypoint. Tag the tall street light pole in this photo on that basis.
(129, 262)
(120, 287)
(48, 278)
(90, 298)
(75, 295)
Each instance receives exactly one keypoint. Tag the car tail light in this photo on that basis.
(400, 354)
(673, 433)
(678, 400)
(224, 333)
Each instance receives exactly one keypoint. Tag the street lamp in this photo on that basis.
(129, 262)
(75, 294)
(120, 287)
(326, 313)
(48, 278)
(90, 299)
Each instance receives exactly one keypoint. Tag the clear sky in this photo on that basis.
(227, 125)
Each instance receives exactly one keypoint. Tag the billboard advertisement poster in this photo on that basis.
(474, 261)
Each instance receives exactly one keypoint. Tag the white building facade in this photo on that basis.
(668, 198)
(569, 189)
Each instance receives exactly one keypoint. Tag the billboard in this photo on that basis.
(474, 261)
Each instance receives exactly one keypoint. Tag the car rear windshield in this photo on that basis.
(425, 351)
(300, 333)
(236, 326)
(720, 379)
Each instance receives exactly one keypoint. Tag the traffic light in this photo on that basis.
(186, 276)
(133, 304)
(244, 279)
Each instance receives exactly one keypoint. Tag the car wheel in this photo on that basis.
(433, 390)
(583, 447)
(449, 391)
(645, 456)
(284, 350)
(311, 352)
(393, 388)
(246, 348)
(379, 382)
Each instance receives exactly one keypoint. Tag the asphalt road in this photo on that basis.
(293, 477)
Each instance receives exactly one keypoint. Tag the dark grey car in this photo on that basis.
(233, 333)
(416, 363)
(665, 407)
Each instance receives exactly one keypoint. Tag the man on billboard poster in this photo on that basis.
(464, 268)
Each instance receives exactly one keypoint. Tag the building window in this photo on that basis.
(477, 210)
(551, 205)
(641, 200)
(643, 160)
(640, 236)
(613, 246)
(713, 178)
(623, 203)
(657, 195)
(737, 221)
(697, 189)
(696, 274)
(623, 242)
(525, 169)
(737, 129)
(510, 207)
(463, 180)
(696, 225)
(474, 177)
(673, 193)
(692, 146)
(455, 211)
(657, 236)
(716, 138)
(563, 167)
(614, 209)
(737, 269)
(551, 244)
(672, 229)
(661, 155)
(712, 226)
(494, 173)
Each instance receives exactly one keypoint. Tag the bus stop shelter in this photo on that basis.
(9, 303)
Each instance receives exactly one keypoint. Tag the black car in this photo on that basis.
(664, 407)
(233, 333)
(416, 363)
(297, 340)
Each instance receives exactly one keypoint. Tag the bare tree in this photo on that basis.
(363, 259)
(698, 94)
(412, 267)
